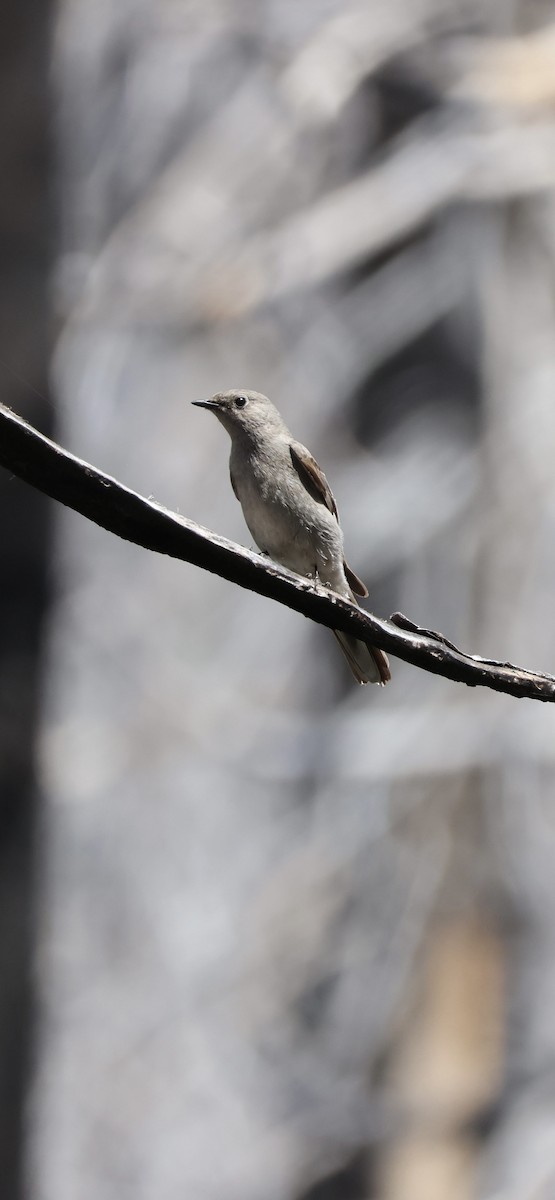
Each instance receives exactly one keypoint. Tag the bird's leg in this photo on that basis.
(314, 576)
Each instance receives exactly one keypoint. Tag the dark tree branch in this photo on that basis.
(46, 466)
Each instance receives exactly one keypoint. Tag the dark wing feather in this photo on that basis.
(312, 476)
(315, 482)
(356, 584)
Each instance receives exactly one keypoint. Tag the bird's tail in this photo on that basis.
(368, 664)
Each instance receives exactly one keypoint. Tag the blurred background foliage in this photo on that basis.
(269, 936)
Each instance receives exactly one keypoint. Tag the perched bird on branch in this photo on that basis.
(290, 510)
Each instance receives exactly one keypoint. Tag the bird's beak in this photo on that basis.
(206, 404)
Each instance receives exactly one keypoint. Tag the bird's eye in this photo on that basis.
(240, 401)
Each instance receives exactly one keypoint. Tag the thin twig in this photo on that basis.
(54, 471)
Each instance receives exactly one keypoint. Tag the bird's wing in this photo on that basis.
(312, 476)
(356, 584)
(316, 484)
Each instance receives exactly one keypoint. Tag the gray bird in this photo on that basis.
(290, 510)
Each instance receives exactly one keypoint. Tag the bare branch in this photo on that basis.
(64, 477)
(347, 48)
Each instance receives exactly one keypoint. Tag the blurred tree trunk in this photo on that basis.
(25, 253)
(245, 856)
(516, 588)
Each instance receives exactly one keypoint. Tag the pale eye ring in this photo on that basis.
(240, 401)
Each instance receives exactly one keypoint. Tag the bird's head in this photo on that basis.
(244, 412)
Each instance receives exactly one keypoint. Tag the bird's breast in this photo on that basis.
(284, 520)
(269, 508)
